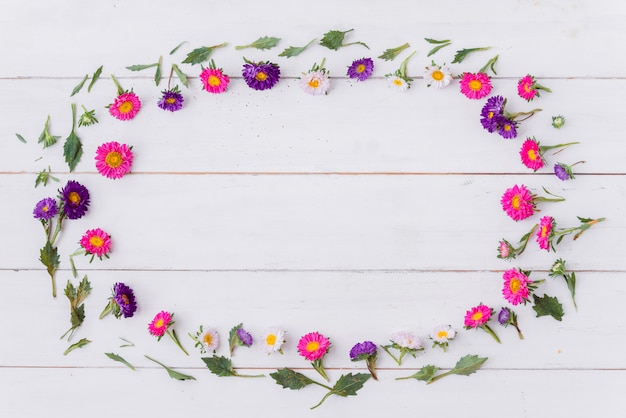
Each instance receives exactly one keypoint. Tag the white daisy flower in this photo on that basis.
(210, 340)
(272, 340)
(442, 334)
(397, 83)
(406, 339)
(437, 76)
(316, 83)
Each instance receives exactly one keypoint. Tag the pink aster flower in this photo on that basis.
(96, 242)
(517, 202)
(475, 85)
(516, 286)
(213, 79)
(477, 317)
(544, 233)
(161, 325)
(528, 88)
(125, 106)
(113, 160)
(531, 155)
(313, 347)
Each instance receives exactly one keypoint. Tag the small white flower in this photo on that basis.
(437, 76)
(272, 340)
(210, 340)
(315, 82)
(442, 334)
(397, 83)
(407, 339)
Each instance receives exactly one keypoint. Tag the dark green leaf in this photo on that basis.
(548, 305)
(468, 365)
(437, 48)
(334, 40)
(491, 65)
(463, 53)
(425, 374)
(73, 148)
(349, 384)
(201, 54)
(292, 51)
(570, 279)
(79, 85)
(290, 379)
(94, 78)
(264, 42)
(140, 67)
(49, 257)
(434, 41)
(157, 74)
(173, 373)
(177, 46)
(391, 53)
(219, 365)
(20, 137)
(115, 357)
(181, 76)
(83, 342)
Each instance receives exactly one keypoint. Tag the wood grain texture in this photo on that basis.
(357, 214)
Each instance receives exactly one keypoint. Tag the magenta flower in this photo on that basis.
(161, 324)
(260, 75)
(475, 85)
(518, 203)
(213, 79)
(125, 106)
(516, 289)
(477, 317)
(361, 69)
(313, 347)
(46, 209)
(531, 155)
(528, 88)
(114, 160)
(96, 242)
(544, 233)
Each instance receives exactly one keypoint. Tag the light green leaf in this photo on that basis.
(201, 54)
(292, 51)
(120, 359)
(463, 53)
(437, 48)
(44, 176)
(425, 374)
(334, 40)
(79, 85)
(264, 42)
(548, 305)
(177, 46)
(391, 53)
(171, 372)
(157, 74)
(140, 67)
(434, 41)
(290, 379)
(20, 137)
(47, 138)
(94, 78)
(83, 342)
(468, 364)
(181, 76)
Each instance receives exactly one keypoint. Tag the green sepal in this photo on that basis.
(171, 372)
(94, 78)
(334, 40)
(140, 67)
(463, 53)
(44, 176)
(548, 305)
(201, 54)
(87, 118)
(292, 51)
(290, 379)
(21, 138)
(73, 148)
(79, 85)
(120, 359)
(83, 342)
(177, 47)
(47, 138)
(391, 53)
(181, 76)
(264, 42)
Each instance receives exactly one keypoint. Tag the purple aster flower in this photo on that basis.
(562, 172)
(503, 316)
(365, 351)
(491, 113)
(45, 209)
(244, 336)
(260, 75)
(172, 100)
(125, 300)
(361, 69)
(75, 198)
(507, 128)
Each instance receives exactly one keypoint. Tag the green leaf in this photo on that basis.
(437, 48)
(290, 379)
(264, 42)
(292, 51)
(173, 373)
(20, 137)
(201, 54)
(425, 374)
(44, 176)
(463, 53)
(83, 342)
(468, 364)
(73, 148)
(79, 85)
(128, 343)
(491, 65)
(94, 78)
(181, 76)
(49, 257)
(434, 41)
(219, 365)
(177, 46)
(140, 67)
(157, 74)
(334, 40)
(548, 305)
(120, 359)
(76, 296)
(47, 138)
(391, 53)
(349, 384)
(570, 279)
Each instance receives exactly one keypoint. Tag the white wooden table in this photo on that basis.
(357, 214)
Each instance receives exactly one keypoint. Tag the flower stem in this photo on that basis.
(490, 332)
(544, 148)
(404, 64)
(175, 339)
(524, 241)
(323, 399)
(399, 361)
(317, 365)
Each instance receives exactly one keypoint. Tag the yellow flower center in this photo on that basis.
(261, 76)
(527, 88)
(490, 115)
(507, 127)
(477, 316)
(544, 231)
(360, 68)
(315, 83)
(214, 81)
(74, 198)
(442, 334)
(159, 323)
(270, 339)
(312, 346)
(475, 85)
(96, 241)
(113, 159)
(515, 285)
(208, 338)
(45, 208)
(532, 155)
(170, 100)
(125, 299)
(515, 202)
(398, 82)
(437, 75)
(125, 107)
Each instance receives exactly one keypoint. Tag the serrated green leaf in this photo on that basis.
(334, 39)
(181, 76)
(468, 365)
(20, 137)
(83, 342)
(177, 46)
(201, 54)
(434, 41)
(292, 51)
(463, 53)
(219, 365)
(49, 257)
(437, 48)
(157, 74)
(290, 379)
(425, 374)
(140, 67)
(391, 53)
(171, 372)
(73, 148)
(94, 78)
(79, 85)
(76, 296)
(120, 359)
(548, 305)
(349, 384)
(264, 42)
